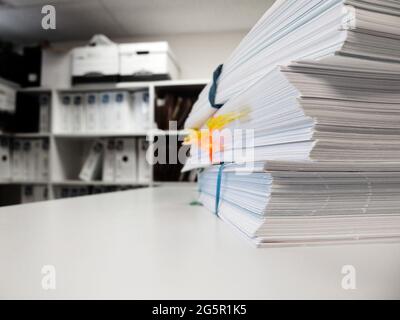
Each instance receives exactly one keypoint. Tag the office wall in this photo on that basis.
(197, 54)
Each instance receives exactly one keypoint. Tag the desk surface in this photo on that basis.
(151, 244)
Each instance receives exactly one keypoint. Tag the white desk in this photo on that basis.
(151, 244)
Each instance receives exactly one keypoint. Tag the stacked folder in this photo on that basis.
(311, 153)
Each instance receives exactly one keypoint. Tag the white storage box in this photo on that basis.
(95, 64)
(147, 61)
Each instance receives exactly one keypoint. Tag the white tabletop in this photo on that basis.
(151, 244)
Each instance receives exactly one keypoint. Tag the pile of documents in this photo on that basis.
(117, 160)
(315, 111)
(278, 203)
(310, 106)
(106, 112)
(306, 29)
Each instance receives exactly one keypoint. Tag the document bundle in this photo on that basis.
(104, 112)
(30, 160)
(117, 160)
(314, 111)
(305, 30)
(303, 126)
(278, 203)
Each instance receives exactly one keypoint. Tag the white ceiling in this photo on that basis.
(20, 20)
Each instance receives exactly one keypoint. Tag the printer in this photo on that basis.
(96, 62)
(147, 61)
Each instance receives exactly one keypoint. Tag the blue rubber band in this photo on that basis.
(213, 89)
(218, 191)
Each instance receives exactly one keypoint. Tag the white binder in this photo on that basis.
(27, 194)
(40, 193)
(36, 150)
(43, 160)
(31, 193)
(5, 170)
(121, 117)
(44, 113)
(66, 113)
(144, 167)
(140, 110)
(105, 111)
(78, 119)
(109, 161)
(28, 161)
(17, 161)
(62, 192)
(92, 112)
(92, 165)
(125, 162)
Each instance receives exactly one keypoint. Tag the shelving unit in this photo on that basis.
(67, 150)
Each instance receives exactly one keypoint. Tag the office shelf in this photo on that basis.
(35, 90)
(100, 135)
(25, 135)
(31, 135)
(170, 132)
(67, 149)
(24, 182)
(98, 183)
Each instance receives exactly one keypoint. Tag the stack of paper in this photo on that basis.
(306, 29)
(314, 111)
(306, 203)
(308, 127)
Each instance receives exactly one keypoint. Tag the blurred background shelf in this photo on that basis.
(97, 183)
(169, 100)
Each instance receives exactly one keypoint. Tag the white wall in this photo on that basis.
(197, 54)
